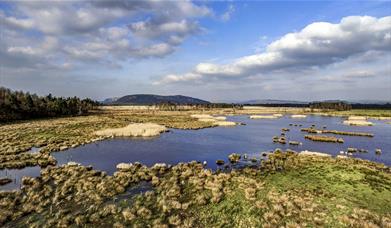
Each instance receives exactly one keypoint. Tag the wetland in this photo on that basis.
(197, 166)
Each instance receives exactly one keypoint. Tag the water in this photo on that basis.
(217, 143)
(16, 176)
(34, 150)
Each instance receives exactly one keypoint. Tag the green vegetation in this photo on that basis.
(295, 143)
(286, 191)
(282, 190)
(313, 130)
(363, 112)
(324, 138)
(281, 140)
(57, 134)
(20, 106)
(337, 105)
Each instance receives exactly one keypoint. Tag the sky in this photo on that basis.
(222, 51)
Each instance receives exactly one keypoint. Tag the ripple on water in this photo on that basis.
(212, 144)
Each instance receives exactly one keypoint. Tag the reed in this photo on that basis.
(335, 132)
(295, 143)
(234, 158)
(324, 138)
(187, 195)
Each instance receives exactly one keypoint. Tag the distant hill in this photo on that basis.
(151, 99)
(109, 100)
(270, 101)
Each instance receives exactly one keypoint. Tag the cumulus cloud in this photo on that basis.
(94, 31)
(226, 16)
(158, 29)
(166, 9)
(317, 45)
(48, 44)
(15, 23)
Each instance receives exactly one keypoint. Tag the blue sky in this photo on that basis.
(219, 51)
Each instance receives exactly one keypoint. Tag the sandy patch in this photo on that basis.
(357, 118)
(263, 117)
(342, 156)
(311, 153)
(220, 118)
(298, 116)
(216, 120)
(136, 130)
(381, 118)
(226, 123)
(124, 166)
(357, 123)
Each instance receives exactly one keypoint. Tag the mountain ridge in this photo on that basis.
(151, 99)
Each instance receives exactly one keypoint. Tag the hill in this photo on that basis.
(151, 99)
(270, 101)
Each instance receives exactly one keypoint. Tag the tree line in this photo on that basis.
(18, 105)
(338, 105)
(170, 106)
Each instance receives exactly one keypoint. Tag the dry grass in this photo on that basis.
(312, 153)
(357, 118)
(214, 120)
(309, 191)
(324, 138)
(313, 130)
(263, 117)
(357, 123)
(57, 134)
(135, 130)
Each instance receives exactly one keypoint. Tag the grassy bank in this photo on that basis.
(361, 112)
(290, 191)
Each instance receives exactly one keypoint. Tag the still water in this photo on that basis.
(217, 143)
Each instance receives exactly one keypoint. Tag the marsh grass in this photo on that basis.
(349, 133)
(364, 112)
(285, 191)
(57, 134)
(308, 191)
(324, 138)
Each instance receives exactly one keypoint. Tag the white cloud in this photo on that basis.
(164, 30)
(16, 23)
(48, 45)
(114, 33)
(318, 44)
(226, 16)
(95, 30)
(156, 50)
